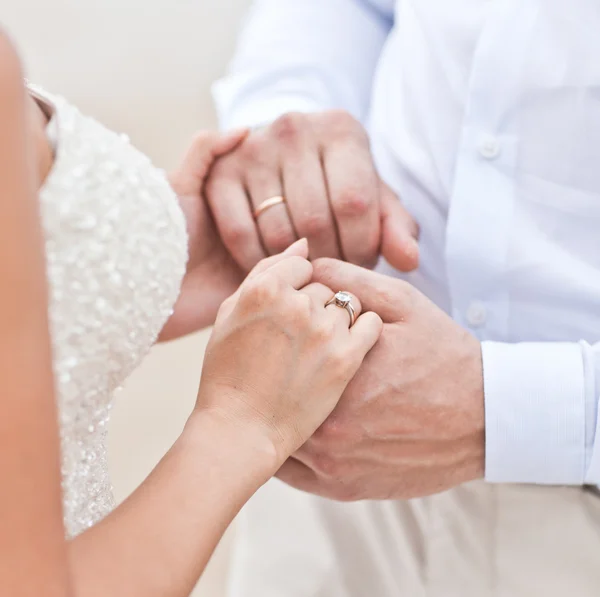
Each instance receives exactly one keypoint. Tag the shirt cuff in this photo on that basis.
(535, 409)
(591, 356)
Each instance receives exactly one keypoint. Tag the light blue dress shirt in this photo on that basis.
(485, 118)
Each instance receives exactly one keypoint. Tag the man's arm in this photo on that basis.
(304, 56)
(541, 403)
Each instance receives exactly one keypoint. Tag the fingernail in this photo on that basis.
(240, 132)
(299, 243)
(291, 248)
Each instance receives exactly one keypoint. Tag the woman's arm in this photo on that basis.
(158, 542)
(32, 548)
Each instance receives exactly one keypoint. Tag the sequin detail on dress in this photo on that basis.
(116, 249)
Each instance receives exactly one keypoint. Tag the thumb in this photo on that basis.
(399, 233)
(206, 147)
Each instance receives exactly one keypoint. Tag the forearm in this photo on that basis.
(542, 413)
(303, 56)
(157, 543)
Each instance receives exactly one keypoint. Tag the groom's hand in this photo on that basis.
(411, 423)
(322, 165)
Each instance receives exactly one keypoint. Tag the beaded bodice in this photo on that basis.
(116, 250)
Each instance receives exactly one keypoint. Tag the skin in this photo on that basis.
(411, 422)
(322, 164)
(247, 420)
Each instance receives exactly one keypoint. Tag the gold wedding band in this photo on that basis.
(343, 300)
(272, 202)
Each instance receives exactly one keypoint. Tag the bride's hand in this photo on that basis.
(211, 275)
(278, 360)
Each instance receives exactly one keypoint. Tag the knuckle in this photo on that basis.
(397, 292)
(343, 124)
(287, 127)
(323, 290)
(405, 291)
(298, 311)
(261, 292)
(237, 235)
(322, 332)
(222, 169)
(255, 151)
(352, 203)
(325, 270)
(341, 120)
(340, 362)
(316, 225)
(278, 238)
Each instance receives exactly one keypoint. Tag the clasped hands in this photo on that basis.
(411, 422)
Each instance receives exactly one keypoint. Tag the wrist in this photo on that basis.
(235, 445)
(474, 439)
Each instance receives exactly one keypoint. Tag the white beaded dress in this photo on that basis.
(116, 249)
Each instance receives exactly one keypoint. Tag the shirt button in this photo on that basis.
(489, 148)
(476, 314)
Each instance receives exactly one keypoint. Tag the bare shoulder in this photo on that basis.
(12, 87)
(17, 181)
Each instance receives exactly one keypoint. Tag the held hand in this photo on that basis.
(211, 275)
(278, 360)
(322, 165)
(411, 422)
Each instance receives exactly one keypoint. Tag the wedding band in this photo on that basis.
(272, 202)
(343, 300)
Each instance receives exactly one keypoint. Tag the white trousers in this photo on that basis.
(475, 541)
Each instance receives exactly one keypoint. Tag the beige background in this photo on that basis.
(143, 67)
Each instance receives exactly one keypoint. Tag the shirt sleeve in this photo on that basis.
(303, 56)
(541, 403)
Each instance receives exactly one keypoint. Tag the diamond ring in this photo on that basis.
(344, 301)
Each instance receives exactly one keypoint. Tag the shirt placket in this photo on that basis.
(484, 191)
(480, 220)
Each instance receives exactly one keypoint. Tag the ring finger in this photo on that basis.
(273, 222)
(321, 295)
